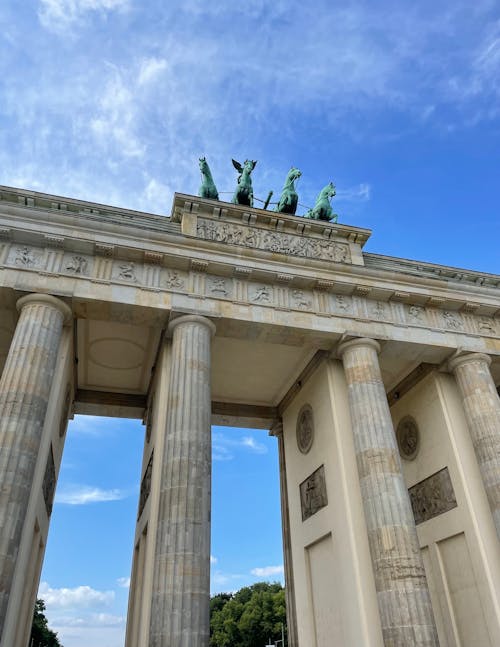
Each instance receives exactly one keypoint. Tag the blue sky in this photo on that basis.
(113, 101)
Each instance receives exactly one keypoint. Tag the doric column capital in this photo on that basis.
(46, 300)
(467, 358)
(184, 319)
(359, 342)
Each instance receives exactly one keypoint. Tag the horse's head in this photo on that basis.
(203, 163)
(330, 190)
(249, 166)
(294, 174)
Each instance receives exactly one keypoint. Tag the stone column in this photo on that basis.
(24, 394)
(482, 411)
(291, 611)
(402, 593)
(181, 587)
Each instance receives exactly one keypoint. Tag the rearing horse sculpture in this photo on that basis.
(244, 190)
(322, 210)
(207, 188)
(289, 197)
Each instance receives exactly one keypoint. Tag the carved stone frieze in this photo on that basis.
(219, 287)
(276, 242)
(432, 496)
(274, 292)
(76, 264)
(313, 495)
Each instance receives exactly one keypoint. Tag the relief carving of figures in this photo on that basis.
(313, 495)
(342, 303)
(432, 496)
(25, 257)
(77, 265)
(127, 272)
(173, 280)
(262, 294)
(487, 325)
(340, 254)
(379, 310)
(301, 300)
(452, 320)
(273, 242)
(218, 286)
(415, 314)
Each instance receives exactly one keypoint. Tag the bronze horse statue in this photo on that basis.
(244, 189)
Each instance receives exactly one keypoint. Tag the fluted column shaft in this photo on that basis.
(402, 593)
(181, 588)
(24, 394)
(482, 411)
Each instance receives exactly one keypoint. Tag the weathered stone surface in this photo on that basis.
(432, 496)
(402, 592)
(24, 394)
(181, 589)
(482, 410)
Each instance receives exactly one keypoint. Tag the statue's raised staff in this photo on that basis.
(322, 210)
(207, 188)
(244, 190)
(289, 198)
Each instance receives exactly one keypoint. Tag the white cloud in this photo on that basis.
(213, 560)
(250, 443)
(57, 15)
(267, 571)
(151, 68)
(92, 620)
(78, 597)
(85, 494)
(115, 121)
(225, 445)
(124, 582)
(359, 193)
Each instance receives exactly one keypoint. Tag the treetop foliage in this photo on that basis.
(41, 635)
(249, 617)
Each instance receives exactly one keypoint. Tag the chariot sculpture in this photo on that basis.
(289, 198)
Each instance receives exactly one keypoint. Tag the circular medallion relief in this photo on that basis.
(305, 428)
(408, 438)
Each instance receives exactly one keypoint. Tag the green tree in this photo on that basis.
(249, 617)
(41, 635)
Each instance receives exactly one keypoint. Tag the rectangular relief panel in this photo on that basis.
(463, 594)
(313, 493)
(326, 594)
(432, 496)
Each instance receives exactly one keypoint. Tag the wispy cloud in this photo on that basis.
(267, 571)
(92, 620)
(58, 15)
(213, 560)
(85, 494)
(225, 446)
(123, 582)
(78, 597)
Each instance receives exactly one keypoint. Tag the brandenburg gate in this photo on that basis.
(378, 376)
